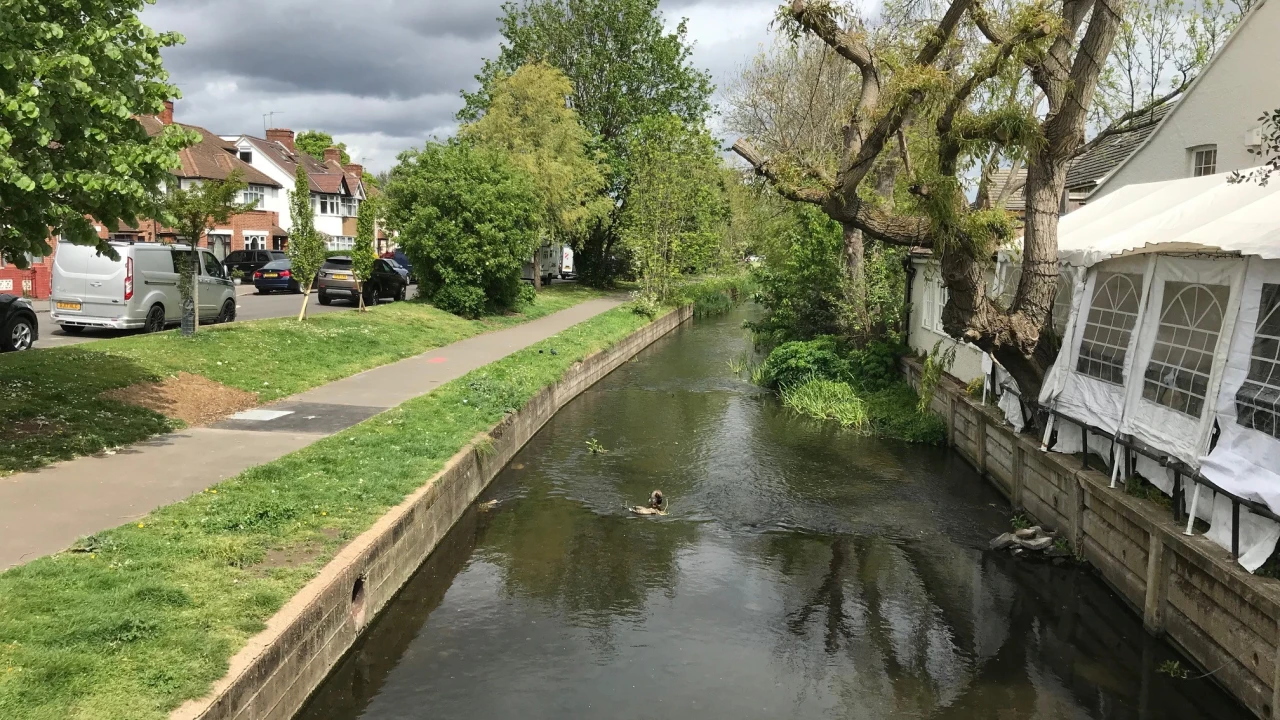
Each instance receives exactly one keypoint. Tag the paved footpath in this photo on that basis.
(46, 511)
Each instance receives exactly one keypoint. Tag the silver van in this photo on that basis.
(140, 290)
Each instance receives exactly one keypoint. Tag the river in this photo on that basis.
(803, 572)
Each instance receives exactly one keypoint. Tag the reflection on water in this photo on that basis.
(802, 572)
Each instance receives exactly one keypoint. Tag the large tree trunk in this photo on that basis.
(855, 277)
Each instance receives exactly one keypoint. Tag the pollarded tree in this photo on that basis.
(624, 64)
(468, 219)
(674, 221)
(529, 119)
(315, 142)
(72, 76)
(191, 211)
(363, 255)
(927, 87)
(306, 245)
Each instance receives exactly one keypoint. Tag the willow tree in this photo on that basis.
(926, 88)
(529, 119)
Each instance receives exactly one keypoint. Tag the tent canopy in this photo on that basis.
(1202, 214)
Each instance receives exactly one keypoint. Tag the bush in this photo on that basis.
(827, 400)
(893, 414)
(468, 222)
(876, 367)
(795, 363)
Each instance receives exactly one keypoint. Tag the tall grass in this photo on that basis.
(827, 400)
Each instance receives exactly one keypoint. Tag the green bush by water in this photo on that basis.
(827, 400)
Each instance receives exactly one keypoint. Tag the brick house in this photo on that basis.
(34, 282)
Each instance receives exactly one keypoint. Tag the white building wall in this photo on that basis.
(927, 298)
(1221, 109)
(280, 203)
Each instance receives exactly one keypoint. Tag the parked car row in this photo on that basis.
(337, 279)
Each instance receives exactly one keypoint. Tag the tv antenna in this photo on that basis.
(268, 119)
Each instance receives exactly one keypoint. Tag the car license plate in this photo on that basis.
(341, 277)
(68, 306)
(270, 274)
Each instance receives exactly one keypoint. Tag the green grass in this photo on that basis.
(52, 409)
(827, 400)
(147, 615)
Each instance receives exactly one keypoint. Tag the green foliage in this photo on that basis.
(306, 245)
(528, 119)
(800, 281)
(827, 400)
(1019, 522)
(363, 254)
(672, 223)
(595, 447)
(315, 142)
(192, 210)
(72, 76)
(714, 295)
(894, 414)
(468, 219)
(937, 364)
(1173, 669)
(797, 362)
(624, 65)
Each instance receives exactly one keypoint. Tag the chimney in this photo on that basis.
(332, 155)
(353, 169)
(166, 115)
(282, 136)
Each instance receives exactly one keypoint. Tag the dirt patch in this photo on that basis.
(290, 557)
(192, 399)
(38, 427)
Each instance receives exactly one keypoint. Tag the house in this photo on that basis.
(1087, 172)
(1213, 127)
(337, 190)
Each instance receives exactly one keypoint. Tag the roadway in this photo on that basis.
(249, 306)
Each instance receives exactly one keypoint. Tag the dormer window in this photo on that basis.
(246, 156)
(326, 204)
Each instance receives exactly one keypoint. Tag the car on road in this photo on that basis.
(251, 261)
(137, 291)
(337, 279)
(402, 260)
(19, 328)
(276, 276)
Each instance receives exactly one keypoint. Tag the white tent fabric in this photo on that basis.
(1191, 214)
(1162, 412)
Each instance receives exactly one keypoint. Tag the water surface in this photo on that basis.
(803, 572)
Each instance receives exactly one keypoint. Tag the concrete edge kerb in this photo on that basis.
(279, 668)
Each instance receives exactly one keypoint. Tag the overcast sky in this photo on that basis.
(381, 75)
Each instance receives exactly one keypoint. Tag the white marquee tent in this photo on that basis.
(1174, 339)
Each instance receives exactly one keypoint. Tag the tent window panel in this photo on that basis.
(1112, 315)
(1182, 358)
(1258, 400)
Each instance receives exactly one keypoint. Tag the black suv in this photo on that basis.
(251, 261)
(19, 328)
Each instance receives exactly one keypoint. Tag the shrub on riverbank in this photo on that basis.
(713, 295)
(826, 400)
(140, 618)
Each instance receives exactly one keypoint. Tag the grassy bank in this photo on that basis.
(147, 615)
(53, 408)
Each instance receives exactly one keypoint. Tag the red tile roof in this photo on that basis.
(321, 177)
(210, 159)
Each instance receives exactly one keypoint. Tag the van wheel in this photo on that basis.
(228, 313)
(155, 319)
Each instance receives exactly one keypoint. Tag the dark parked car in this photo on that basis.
(251, 261)
(403, 261)
(19, 328)
(276, 276)
(338, 279)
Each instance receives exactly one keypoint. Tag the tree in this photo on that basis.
(624, 66)
(926, 87)
(72, 76)
(468, 219)
(363, 254)
(528, 118)
(1270, 147)
(191, 211)
(315, 142)
(673, 223)
(306, 245)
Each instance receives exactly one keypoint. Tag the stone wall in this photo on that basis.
(1187, 589)
(273, 675)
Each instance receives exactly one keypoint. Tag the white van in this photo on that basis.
(548, 264)
(140, 290)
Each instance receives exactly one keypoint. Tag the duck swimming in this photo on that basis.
(657, 505)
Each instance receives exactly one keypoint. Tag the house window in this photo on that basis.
(341, 242)
(1190, 321)
(326, 204)
(350, 206)
(254, 194)
(1258, 400)
(246, 156)
(255, 242)
(1112, 315)
(935, 298)
(1204, 161)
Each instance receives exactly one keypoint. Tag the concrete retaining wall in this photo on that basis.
(273, 675)
(1186, 589)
